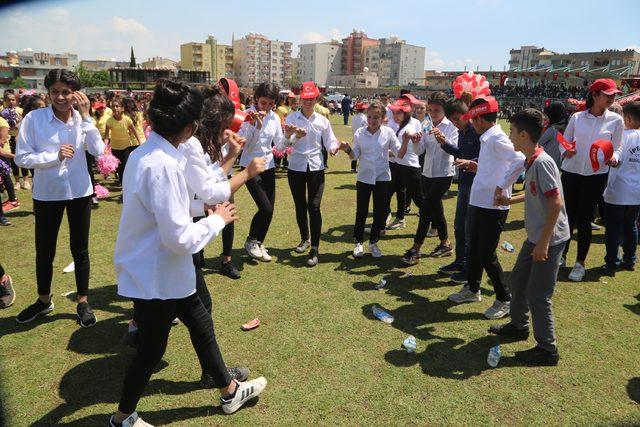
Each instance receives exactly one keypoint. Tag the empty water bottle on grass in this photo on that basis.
(493, 358)
(508, 247)
(382, 315)
(410, 344)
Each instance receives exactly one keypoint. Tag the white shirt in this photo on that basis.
(358, 121)
(39, 141)
(495, 159)
(156, 236)
(307, 150)
(584, 128)
(623, 187)
(437, 162)
(259, 140)
(202, 181)
(413, 150)
(373, 152)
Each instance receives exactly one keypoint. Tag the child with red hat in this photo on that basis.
(307, 132)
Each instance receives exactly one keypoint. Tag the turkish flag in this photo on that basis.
(555, 76)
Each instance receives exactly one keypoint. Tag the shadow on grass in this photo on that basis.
(634, 308)
(18, 214)
(633, 389)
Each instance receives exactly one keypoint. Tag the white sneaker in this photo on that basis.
(397, 224)
(265, 254)
(389, 219)
(433, 232)
(465, 295)
(132, 420)
(244, 392)
(563, 262)
(498, 310)
(253, 249)
(26, 185)
(358, 251)
(375, 250)
(69, 268)
(577, 273)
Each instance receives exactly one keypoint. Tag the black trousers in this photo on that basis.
(154, 318)
(306, 190)
(581, 195)
(8, 184)
(263, 191)
(407, 184)
(380, 191)
(48, 219)
(485, 228)
(15, 169)
(1, 268)
(90, 162)
(399, 189)
(123, 156)
(432, 210)
(227, 236)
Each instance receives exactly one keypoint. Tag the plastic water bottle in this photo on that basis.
(494, 356)
(381, 284)
(382, 315)
(427, 125)
(410, 344)
(508, 247)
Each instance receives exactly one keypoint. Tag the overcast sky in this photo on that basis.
(456, 33)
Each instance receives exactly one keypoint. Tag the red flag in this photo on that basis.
(607, 149)
(568, 145)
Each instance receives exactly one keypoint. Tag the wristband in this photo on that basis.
(350, 150)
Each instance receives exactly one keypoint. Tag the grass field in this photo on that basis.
(327, 360)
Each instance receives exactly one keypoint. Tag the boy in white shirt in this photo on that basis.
(622, 196)
(486, 221)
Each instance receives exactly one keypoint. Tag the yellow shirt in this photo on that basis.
(283, 111)
(108, 112)
(4, 124)
(101, 123)
(322, 110)
(139, 129)
(119, 132)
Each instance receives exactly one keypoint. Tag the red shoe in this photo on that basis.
(251, 325)
(10, 205)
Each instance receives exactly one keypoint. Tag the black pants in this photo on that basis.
(406, 183)
(432, 210)
(485, 228)
(581, 195)
(399, 189)
(15, 169)
(123, 156)
(1, 268)
(263, 190)
(90, 162)
(227, 237)
(306, 190)
(153, 318)
(8, 184)
(380, 192)
(354, 164)
(48, 219)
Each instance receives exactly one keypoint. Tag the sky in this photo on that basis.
(455, 33)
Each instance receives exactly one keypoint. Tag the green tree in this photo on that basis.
(93, 78)
(18, 83)
(101, 79)
(132, 61)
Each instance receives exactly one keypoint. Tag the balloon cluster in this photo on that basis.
(476, 84)
(280, 154)
(107, 164)
(101, 192)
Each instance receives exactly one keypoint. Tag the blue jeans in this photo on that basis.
(621, 230)
(460, 226)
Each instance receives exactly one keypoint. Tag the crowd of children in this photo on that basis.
(178, 185)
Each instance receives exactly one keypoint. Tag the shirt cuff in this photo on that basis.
(196, 208)
(216, 223)
(51, 158)
(552, 192)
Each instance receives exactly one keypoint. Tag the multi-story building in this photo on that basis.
(613, 59)
(317, 61)
(257, 59)
(395, 62)
(527, 57)
(34, 66)
(353, 52)
(366, 79)
(196, 56)
(221, 59)
(158, 62)
(102, 64)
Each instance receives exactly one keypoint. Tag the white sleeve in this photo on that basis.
(356, 149)
(394, 143)
(328, 138)
(95, 144)
(201, 179)
(27, 155)
(512, 174)
(617, 137)
(279, 140)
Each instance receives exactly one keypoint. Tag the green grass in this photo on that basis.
(327, 360)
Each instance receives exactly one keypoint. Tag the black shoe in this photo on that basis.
(407, 210)
(450, 269)
(609, 270)
(130, 338)
(229, 269)
(238, 373)
(313, 258)
(34, 311)
(460, 278)
(411, 257)
(538, 357)
(510, 331)
(441, 251)
(86, 318)
(629, 266)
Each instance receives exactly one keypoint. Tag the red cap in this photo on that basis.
(410, 97)
(606, 86)
(309, 90)
(401, 104)
(98, 105)
(491, 106)
(361, 106)
(230, 87)
(603, 145)
(238, 119)
(291, 95)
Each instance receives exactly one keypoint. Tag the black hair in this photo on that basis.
(557, 114)
(590, 99)
(632, 110)
(530, 121)
(216, 112)
(455, 106)
(377, 105)
(174, 106)
(60, 75)
(267, 90)
(405, 121)
(8, 92)
(490, 117)
(404, 91)
(437, 98)
(30, 103)
(131, 110)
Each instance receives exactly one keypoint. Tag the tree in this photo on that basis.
(93, 78)
(132, 61)
(18, 83)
